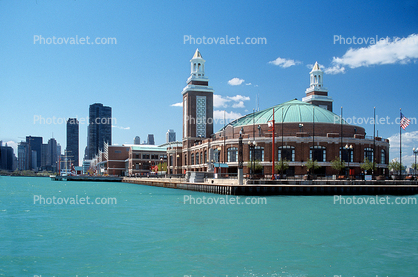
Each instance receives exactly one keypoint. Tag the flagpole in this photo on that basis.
(400, 144)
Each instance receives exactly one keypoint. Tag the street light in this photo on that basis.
(415, 150)
(252, 145)
(219, 161)
(348, 149)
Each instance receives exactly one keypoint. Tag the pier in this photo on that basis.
(87, 178)
(287, 187)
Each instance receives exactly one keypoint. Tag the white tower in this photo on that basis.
(316, 94)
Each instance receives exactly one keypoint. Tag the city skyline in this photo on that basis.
(142, 75)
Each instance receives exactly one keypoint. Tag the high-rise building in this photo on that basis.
(137, 140)
(150, 139)
(52, 155)
(44, 155)
(170, 135)
(100, 129)
(35, 144)
(6, 157)
(23, 160)
(73, 140)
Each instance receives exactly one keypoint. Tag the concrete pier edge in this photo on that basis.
(288, 187)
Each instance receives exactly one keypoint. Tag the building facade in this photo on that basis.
(303, 130)
(73, 140)
(150, 139)
(170, 136)
(99, 129)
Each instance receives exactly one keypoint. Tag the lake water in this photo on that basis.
(150, 231)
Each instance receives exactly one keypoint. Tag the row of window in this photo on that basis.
(317, 153)
(150, 156)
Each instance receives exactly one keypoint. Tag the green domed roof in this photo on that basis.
(294, 111)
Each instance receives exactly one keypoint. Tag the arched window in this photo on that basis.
(258, 153)
(197, 158)
(201, 158)
(232, 154)
(318, 153)
(347, 154)
(383, 156)
(206, 157)
(194, 67)
(368, 153)
(216, 155)
(192, 159)
(287, 153)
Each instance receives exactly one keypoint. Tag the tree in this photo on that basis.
(338, 164)
(282, 165)
(395, 166)
(162, 166)
(367, 165)
(257, 166)
(312, 165)
(414, 166)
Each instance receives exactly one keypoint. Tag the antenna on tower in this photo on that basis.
(258, 102)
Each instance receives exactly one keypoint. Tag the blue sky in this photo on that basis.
(141, 76)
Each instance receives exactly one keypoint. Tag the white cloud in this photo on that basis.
(229, 116)
(248, 84)
(122, 128)
(239, 98)
(239, 104)
(180, 104)
(284, 63)
(409, 141)
(237, 101)
(336, 69)
(400, 50)
(219, 101)
(235, 81)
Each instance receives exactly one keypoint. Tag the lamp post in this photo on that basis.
(415, 150)
(252, 145)
(348, 148)
(219, 161)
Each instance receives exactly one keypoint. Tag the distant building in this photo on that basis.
(150, 139)
(137, 140)
(35, 144)
(44, 155)
(52, 155)
(170, 136)
(99, 130)
(73, 140)
(23, 161)
(6, 158)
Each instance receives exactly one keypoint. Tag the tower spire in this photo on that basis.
(316, 94)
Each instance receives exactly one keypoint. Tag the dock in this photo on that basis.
(286, 187)
(87, 178)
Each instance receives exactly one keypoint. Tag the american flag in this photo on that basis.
(404, 121)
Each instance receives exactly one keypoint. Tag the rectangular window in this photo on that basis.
(200, 116)
(232, 154)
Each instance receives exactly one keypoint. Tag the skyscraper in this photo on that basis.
(100, 129)
(35, 144)
(6, 157)
(170, 135)
(73, 140)
(23, 156)
(150, 139)
(52, 155)
(137, 140)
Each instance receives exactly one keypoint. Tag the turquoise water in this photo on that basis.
(151, 232)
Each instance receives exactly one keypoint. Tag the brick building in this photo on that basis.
(304, 130)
